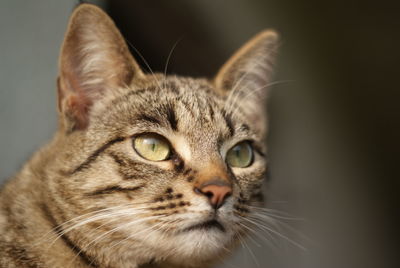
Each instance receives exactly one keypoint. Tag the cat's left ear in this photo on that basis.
(94, 62)
(245, 77)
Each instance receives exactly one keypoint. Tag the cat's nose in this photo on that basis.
(216, 192)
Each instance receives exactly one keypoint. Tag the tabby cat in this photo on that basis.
(145, 170)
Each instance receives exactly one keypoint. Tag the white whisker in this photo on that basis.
(277, 222)
(92, 219)
(136, 234)
(235, 92)
(146, 63)
(272, 242)
(70, 221)
(169, 57)
(261, 226)
(255, 91)
(243, 241)
(99, 238)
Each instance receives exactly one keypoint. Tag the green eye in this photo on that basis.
(152, 147)
(240, 155)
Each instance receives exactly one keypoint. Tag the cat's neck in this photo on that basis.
(31, 228)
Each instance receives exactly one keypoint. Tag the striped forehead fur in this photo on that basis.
(185, 105)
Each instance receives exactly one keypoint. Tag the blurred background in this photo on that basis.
(334, 119)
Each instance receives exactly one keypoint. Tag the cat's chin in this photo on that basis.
(202, 241)
(191, 248)
(208, 226)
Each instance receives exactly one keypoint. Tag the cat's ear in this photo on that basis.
(94, 60)
(245, 77)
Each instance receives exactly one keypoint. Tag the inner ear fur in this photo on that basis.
(94, 60)
(245, 77)
(255, 58)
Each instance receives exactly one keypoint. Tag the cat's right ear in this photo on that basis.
(245, 77)
(94, 60)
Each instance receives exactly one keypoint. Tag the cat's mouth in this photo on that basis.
(206, 225)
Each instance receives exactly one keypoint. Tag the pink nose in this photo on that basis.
(216, 194)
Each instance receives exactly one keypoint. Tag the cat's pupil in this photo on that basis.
(151, 143)
(237, 151)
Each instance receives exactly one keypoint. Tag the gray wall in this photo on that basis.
(31, 35)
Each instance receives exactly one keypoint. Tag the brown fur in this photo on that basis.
(88, 200)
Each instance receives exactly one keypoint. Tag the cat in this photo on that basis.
(145, 170)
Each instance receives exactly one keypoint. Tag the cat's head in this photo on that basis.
(161, 167)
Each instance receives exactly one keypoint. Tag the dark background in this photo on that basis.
(334, 126)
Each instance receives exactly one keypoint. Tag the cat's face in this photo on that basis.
(165, 165)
